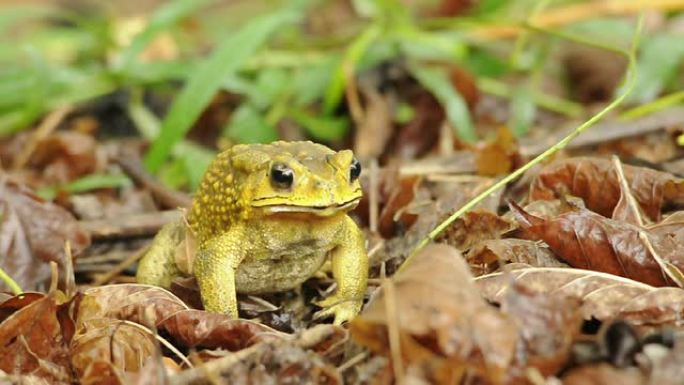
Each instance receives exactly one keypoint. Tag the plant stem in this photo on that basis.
(12, 284)
(628, 85)
(549, 102)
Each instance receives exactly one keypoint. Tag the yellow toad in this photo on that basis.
(265, 218)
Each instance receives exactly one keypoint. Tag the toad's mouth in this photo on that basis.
(316, 210)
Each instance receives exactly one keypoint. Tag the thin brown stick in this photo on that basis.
(166, 197)
(573, 13)
(121, 266)
(131, 225)
(393, 330)
(45, 128)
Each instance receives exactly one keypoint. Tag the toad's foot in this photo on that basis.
(343, 309)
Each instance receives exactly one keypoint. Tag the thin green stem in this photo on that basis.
(549, 102)
(661, 103)
(12, 284)
(626, 90)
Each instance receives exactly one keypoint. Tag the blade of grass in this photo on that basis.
(161, 20)
(625, 90)
(335, 90)
(86, 183)
(441, 87)
(208, 78)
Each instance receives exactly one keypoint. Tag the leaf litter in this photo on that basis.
(507, 296)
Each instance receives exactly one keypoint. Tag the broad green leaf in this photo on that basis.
(247, 125)
(207, 79)
(162, 19)
(323, 128)
(441, 87)
(659, 63)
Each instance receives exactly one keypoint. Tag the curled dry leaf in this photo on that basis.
(587, 240)
(487, 256)
(603, 296)
(498, 156)
(32, 234)
(400, 195)
(197, 328)
(143, 304)
(125, 346)
(595, 180)
(33, 342)
(154, 306)
(604, 374)
(444, 326)
(548, 325)
(276, 362)
(473, 227)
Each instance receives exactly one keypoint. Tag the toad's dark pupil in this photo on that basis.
(354, 170)
(282, 176)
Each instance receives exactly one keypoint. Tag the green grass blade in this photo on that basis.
(456, 109)
(208, 78)
(161, 20)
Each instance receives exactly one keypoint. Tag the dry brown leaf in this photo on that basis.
(548, 325)
(473, 227)
(587, 240)
(604, 374)
(197, 328)
(125, 346)
(422, 132)
(595, 180)
(33, 233)
(401, 194)
(498, 156)
(143, 304)
(487, 256)
(65, 155)
(33, 342)
(443, 327)
(603, 296)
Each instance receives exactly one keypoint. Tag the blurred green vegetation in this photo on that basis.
(55, 56)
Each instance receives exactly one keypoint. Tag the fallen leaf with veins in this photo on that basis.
(126, 346)
(443, 324)
(595, 180)
(33, 342)
(604, 296)
(587, 240)
(32, 234)
(487, 256)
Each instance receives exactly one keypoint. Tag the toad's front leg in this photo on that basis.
(350, 270)
(214, 269)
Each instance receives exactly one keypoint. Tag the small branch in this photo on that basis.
(131, 225)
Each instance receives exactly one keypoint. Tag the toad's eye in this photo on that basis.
(354, 170)
(281, 176)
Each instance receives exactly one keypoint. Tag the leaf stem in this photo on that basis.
(628, 85)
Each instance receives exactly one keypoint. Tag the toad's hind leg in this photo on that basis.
(214, 269)
(158, 265)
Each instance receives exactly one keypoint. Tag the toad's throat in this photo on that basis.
(316, 210)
